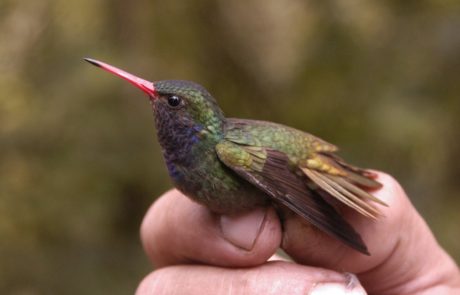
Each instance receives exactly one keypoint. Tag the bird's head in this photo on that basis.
(176, 102)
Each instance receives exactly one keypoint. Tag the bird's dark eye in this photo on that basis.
(174, 100)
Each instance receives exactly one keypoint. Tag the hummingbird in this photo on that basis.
(232, 165)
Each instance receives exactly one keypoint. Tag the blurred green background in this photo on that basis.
(79, 162)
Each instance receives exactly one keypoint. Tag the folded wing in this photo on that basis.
(272, 172)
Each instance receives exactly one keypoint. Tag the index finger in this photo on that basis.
(403, 249)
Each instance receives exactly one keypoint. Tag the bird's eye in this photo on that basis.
(174, 100)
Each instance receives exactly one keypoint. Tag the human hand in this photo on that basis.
(198, 252)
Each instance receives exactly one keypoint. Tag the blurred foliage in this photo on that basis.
(79, 163)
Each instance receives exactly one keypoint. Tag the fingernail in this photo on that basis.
(352, 286)
(242, 230)
(352, 280)
(336, 289)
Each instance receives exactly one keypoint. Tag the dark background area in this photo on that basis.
(79, 162)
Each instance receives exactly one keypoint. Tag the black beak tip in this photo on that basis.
(93, 62)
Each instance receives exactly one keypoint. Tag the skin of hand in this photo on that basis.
(197, 252)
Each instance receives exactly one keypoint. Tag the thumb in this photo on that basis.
(176, 230)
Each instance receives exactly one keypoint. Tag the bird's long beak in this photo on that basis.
(140, 83)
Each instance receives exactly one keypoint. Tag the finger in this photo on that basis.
(176, 230)
(403, 249)
(270, 278)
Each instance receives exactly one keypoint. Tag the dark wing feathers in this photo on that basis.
(279, 181)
